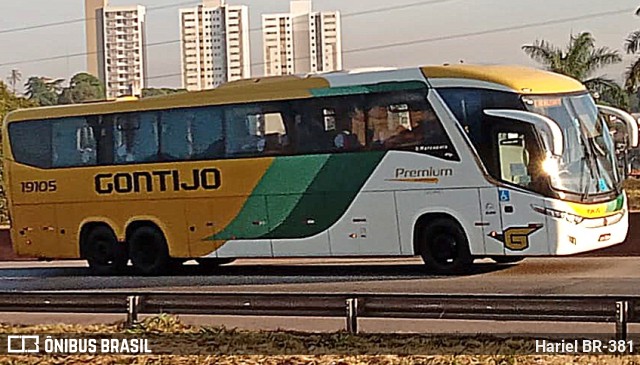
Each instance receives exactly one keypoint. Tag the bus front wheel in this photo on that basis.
(445, 248)
(103, 252)
(148, 251)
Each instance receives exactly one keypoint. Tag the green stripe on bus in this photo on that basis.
(618, 204)
(301, 196)
(329, 196)
(277, 193)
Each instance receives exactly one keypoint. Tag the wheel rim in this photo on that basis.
(444, 249)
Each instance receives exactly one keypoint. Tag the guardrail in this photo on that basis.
(620, 310)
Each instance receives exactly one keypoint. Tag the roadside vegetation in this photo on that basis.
(230, 346)
(632, 186)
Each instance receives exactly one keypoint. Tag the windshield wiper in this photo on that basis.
(589, 154)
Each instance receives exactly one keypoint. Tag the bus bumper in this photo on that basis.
(589, 235)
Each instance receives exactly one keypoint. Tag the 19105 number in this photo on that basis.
(39, 186)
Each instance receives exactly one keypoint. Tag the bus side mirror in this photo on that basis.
(551, 132)
(629, 121)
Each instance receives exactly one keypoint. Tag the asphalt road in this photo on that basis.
(534, 276)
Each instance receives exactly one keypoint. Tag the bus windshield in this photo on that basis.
(588, 163)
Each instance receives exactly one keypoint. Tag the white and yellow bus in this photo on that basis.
(451, 163)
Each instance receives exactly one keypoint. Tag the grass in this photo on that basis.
(229, 346)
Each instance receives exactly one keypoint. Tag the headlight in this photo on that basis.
(576, 219)
(558, 214)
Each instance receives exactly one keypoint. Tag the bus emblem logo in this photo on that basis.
(516, 238)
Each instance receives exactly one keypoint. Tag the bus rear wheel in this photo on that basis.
(148, 251)
(103, 252)
(445, 248)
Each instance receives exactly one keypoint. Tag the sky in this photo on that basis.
(439, 22)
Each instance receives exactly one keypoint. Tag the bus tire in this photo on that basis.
(507, 259)
(214, 262)
(103, 252)
(445, 248)
(148, 251)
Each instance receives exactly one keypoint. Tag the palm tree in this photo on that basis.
(14, 78)
(632, 46)
(580, 60)
(43, 90)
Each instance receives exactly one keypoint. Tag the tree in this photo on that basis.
(14, 78)
(43, 91)
(632, 46)
(580, 60)
(8, 102)
(83, 87)
(151, 92)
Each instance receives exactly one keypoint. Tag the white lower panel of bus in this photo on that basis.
(259, 248)
(376, 224)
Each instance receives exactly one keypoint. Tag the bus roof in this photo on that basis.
(243, 91)
(518, 79)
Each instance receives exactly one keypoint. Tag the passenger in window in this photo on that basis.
(425, 129)
(382, 125)
(406, 137)
(347, 141)
(352, 131)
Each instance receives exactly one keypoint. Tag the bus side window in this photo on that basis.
(188, 134)
(207, 134)
(406, 121)
(31, 142)
(136, 138)
(315, 127)
(258, 130)
(73, 143)
(244, 131)
(347, 115)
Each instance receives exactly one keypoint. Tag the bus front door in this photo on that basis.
(523, 230)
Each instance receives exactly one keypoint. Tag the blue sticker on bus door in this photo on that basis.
(505, 195)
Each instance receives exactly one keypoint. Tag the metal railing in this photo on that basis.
(621, 310)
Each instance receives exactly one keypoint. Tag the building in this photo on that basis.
(301, 41)
(215, 44)
(116, 47)
(94, 28)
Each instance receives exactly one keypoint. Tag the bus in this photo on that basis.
(451, 163)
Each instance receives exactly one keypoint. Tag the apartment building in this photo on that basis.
(301, 41)
(116, 45)
(215, 44)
